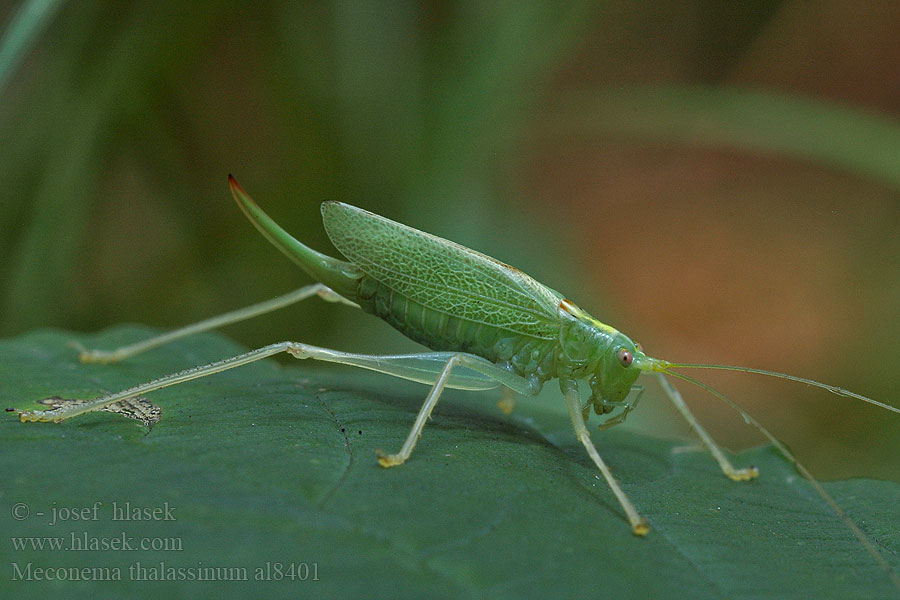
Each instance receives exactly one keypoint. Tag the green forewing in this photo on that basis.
(441, 274)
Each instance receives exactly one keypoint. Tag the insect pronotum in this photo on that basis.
(488, 324)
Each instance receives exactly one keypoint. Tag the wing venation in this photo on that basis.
(440, 274)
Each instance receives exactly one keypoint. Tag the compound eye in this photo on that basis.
(625, 357)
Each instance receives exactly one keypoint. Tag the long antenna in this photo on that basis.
(866, 542)
(831, 388)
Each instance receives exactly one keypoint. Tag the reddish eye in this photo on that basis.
(625, 357)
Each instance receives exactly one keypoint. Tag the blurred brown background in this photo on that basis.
(719, 180)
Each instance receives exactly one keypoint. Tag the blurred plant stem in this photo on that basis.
(26, 25)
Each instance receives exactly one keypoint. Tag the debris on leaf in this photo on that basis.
(138, 408)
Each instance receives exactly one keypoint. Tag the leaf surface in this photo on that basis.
(268, 465)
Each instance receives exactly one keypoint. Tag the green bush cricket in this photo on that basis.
(488, 325)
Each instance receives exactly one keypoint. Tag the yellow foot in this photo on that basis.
(507, 402)
(640, 528)
(744, 474)
(389, 460)
(507, 405)
(101, 357)
(40, 416)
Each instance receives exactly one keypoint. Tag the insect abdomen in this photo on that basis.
(441, 331)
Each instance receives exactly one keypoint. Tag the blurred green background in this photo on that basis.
(719, 180)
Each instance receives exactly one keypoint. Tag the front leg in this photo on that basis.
(629, 406)
(569, 388)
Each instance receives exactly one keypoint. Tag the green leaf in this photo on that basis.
(861, 142)
(21, 32)
(267, 465)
